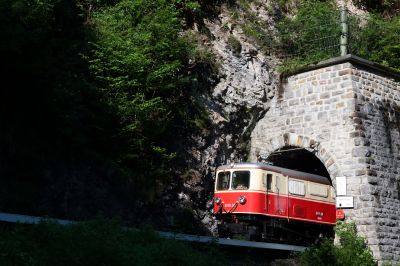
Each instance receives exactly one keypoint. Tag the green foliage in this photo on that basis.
(390, 7)
(137, 49)
(225, 27)
(235, 45)
(259, 33)
(377, 39)
(95, 243)
(138, 60)
(246, 17)
(310, 36)
(98, 99)
(192, 6)
(313, 34)
(351, 251)
(194, 11)
(198, 52)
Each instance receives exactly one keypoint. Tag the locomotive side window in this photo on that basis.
(296, 187)
(267, 181)
(241, 180)
(318, 190)
(223, 180)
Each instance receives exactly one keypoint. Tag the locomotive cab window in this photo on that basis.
(241, 180)
(223, 180)
(296, 188)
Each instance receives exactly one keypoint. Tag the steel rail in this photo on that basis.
(232, 242)
(27, 219)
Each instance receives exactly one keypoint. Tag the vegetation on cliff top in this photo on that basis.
(313, 34)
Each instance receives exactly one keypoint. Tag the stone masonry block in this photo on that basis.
(345, 72)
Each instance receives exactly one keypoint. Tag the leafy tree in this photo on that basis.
(136, 60)
(97, 98)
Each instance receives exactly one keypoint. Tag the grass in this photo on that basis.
(95, 243)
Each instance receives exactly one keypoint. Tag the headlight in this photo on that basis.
(242, 200)
(217, 200)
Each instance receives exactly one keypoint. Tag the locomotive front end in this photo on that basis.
(236, 199)
(234, 192)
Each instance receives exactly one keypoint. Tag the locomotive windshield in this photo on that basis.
(223, 180)
(241, 180)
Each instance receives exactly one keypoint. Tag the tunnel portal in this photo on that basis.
(298, 158)
(345, 113)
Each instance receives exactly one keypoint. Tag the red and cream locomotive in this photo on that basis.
(268, 203)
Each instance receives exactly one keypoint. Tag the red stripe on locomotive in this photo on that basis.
(271, 204)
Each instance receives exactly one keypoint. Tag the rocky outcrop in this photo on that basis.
(239, 97)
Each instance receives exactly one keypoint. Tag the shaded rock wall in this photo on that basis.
(237, 99)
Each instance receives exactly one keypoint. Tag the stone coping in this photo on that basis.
(348, 59)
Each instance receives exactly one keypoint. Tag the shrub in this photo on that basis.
(377, 40)
(351, 251)
(235, 45)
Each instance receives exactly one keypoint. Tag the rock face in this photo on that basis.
(238, 98)
(347, 112)
(247, 82)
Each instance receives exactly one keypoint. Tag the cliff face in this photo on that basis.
(241, 96)
(238, 96)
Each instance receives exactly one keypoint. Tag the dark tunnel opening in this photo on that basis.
(300, 159)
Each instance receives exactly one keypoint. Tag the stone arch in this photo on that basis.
(292, 139)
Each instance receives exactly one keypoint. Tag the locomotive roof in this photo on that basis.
(285, 171)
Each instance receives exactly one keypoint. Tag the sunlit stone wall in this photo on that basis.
(346, 111)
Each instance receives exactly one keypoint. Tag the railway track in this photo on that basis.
(27, 219)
